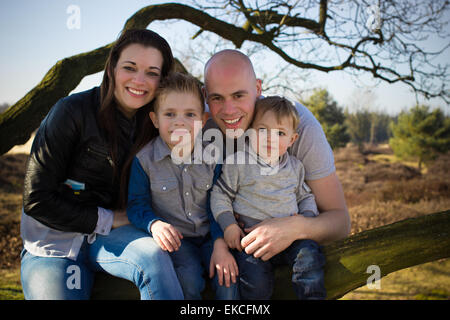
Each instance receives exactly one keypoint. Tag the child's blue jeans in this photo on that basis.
(191, 263)
(307, 261)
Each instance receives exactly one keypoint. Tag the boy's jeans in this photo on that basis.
(126, 252)
(307, 261)
(191, 262)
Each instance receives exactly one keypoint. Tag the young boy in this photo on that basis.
(168, 189)
(270, 183)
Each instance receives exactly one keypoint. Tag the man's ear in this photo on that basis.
(154, 119)
(205, 118)
(258, 87)
(204, 92)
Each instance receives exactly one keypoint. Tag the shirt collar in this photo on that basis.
(282, 160)
(160, 149)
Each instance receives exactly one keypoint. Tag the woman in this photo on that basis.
(71, 225)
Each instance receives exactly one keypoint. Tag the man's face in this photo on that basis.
(231, 92)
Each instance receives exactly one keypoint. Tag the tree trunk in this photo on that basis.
(21, 119)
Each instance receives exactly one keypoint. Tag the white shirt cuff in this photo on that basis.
(104, 223)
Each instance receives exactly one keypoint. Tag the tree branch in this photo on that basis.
(392, 247)
(20, 120)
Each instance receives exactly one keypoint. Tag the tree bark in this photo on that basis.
(392, 247)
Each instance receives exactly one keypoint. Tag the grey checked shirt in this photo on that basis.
(178, 192)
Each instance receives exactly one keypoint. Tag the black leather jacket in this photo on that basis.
(70, 145)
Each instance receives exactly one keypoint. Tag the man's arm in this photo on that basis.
(333, 222)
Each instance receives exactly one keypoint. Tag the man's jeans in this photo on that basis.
(126, 253)
(307, 261)
(191, 262)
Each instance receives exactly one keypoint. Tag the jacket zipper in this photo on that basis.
(101, 154)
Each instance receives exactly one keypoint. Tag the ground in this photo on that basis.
(379, 190)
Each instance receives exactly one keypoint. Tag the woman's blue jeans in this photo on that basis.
(126, 252)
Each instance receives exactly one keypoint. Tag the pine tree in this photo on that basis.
(420, 134)
(330, 116)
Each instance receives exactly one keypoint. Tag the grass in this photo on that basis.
(429, 281)
(10, 287)
(390, 158)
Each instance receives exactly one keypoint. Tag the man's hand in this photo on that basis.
(232, 236)
(166, 235)
(223, 261)
(270, 237)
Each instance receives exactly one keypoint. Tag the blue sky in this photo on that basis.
(35, 35)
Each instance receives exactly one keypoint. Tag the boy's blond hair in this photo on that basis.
(179, 82)
(280, 106)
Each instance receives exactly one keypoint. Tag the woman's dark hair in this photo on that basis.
(108, 105)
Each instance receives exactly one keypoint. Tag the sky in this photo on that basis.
(36, 34)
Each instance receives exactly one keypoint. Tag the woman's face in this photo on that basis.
(137, 76)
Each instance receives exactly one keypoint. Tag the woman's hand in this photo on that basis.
(120, 219)
(223, 261)
(166, 235)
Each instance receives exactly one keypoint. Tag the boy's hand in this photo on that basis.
(223, 261)
(233, 235)
(166, 235)
(120, 219)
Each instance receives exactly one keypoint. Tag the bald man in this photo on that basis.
(231, 89)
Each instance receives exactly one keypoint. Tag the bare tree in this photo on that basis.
(386, 39)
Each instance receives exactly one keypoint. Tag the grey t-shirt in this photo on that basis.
(312, 147)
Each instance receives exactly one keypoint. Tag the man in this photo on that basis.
(231, 89)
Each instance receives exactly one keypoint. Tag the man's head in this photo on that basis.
(231, 90)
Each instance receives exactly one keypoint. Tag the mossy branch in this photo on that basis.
(392, 247)
(21, 119)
